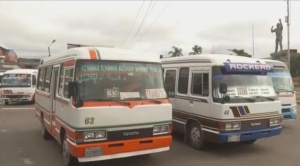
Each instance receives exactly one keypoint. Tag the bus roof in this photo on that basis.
(102, 53)
(23, 71)
(275, 63)
(216, 59)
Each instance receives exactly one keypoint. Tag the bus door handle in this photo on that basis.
(191, 103)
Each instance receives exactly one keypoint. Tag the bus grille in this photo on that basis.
(129, 134)
(255, 124)
(14, 96)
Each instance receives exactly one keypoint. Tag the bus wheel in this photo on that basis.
(68, 159)
(195, 136)
(6, 102)
(45, 133)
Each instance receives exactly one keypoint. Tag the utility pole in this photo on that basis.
(288, 34)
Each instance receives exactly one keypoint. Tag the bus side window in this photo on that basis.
(48, 78)
(183, 80)
(33, 80)
(61, 76)
(200, 84)
(205, 84)
(41, 78)
(68, 77)
(197, 84)
(170, 82)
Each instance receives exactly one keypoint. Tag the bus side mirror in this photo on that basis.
(72, 89)
(223, 88)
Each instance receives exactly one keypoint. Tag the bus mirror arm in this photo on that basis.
(72, 89)
(223, 88)
(223, 91)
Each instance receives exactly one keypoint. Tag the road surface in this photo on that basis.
(21, 144)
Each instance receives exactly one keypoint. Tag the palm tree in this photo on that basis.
(177, 52)
(240, 52)
(196, 50)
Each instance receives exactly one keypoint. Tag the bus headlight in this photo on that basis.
(161, 129)
(94, 136)
(274, 122)
(100, 134)
(89, 135)
(232, 126)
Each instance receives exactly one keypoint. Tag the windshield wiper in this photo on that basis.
(139, 98)
(283, 90)
(246, 98)
(113, 100)
(156, 101)
(269, 98)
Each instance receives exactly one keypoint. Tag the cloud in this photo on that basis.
(214, 25)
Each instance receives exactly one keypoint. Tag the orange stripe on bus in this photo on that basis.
(125, 146)
(130, 103)
(93, 53)
(70, 63)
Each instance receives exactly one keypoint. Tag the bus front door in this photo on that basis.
(53, 101)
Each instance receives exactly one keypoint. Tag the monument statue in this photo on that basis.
(278, 32)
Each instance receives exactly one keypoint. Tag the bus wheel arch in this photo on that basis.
(68, 159)
(61, 134)
(45, 133)
(194, 134)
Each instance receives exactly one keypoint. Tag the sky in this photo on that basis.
(29, 27)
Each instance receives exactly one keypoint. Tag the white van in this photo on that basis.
(284, 87)
(18, 85)
(222, 98)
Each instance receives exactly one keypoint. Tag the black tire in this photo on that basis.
(249, 142)
(6, 102)
(45, 133)
(195, 136)
(68, 159)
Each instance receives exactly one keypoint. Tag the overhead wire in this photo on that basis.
(125, 41)
(139, 36)
(154, 20)
(142, 23)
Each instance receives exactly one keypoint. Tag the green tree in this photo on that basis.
(295, 65)
(196, 50)
(176, 53)
(240, 52)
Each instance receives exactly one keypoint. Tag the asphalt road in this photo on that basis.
(21, 144)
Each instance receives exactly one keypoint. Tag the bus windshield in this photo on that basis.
(113, 80)
(242, 86)
(16, 80)
(282, 80)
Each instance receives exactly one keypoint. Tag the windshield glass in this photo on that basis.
(282, 80)
(16, 80)
(107, 80)
(242, 85)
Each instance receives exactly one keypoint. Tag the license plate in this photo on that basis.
(90, 152)
(233, 138)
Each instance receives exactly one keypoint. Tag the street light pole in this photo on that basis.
(288, 34)
(49, 47)
(252, 41)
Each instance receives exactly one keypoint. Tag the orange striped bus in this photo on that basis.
(103, 103)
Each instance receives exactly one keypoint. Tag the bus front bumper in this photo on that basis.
(15, 98)
(241, 136)
(289, 113)
(119, 149)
